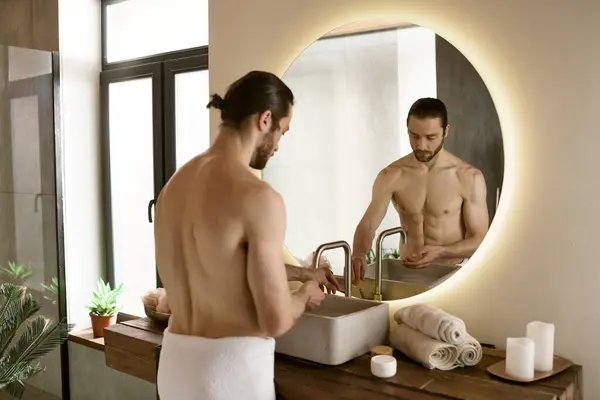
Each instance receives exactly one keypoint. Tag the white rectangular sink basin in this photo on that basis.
(339, 330)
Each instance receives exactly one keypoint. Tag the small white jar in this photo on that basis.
(383, 366)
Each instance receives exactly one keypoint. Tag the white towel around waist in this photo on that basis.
(197, 368)
(431, 353)
(433, 322)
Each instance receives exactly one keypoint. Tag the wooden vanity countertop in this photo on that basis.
(132, 347)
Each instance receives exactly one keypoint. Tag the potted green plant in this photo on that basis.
(370, 257)
(103, 307)
(52, 288)
(24, 337)
(16, 273)
(392, 254)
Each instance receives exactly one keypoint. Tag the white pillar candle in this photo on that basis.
(542, 335)
(520, 355)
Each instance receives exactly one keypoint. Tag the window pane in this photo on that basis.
(139, 28)
(192, 130)
(132, 187)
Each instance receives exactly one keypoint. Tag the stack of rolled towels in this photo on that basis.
(434, 338)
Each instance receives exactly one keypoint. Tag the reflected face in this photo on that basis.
(426, 137)
(270, 142)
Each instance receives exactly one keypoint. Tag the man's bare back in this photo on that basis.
(219, 235)
(200, 232)
(212, 228)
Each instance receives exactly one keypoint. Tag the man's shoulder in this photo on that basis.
(470, 177)
(462, 167)
(396, 168)
(263, 209)
(259, 194)
(467, 171)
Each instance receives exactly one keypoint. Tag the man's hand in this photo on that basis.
(359, 266)
(324, 278)
(423, 257)
(314, 293)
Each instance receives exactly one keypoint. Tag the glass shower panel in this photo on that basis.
(28, 214)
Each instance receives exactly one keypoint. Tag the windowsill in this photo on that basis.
(85, 337)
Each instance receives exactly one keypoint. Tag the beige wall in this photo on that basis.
(539, 260)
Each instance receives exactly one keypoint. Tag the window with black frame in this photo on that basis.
(154, 85)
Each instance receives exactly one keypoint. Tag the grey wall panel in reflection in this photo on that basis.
(475, 134)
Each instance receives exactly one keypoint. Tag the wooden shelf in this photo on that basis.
(132, 348)
(86, 338)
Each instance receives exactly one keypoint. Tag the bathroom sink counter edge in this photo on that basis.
(133, 347)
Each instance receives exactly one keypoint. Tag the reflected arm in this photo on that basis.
(475, 216)
(380, 200)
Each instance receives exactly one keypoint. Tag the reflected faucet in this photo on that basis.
(379, 254)
(347, 261)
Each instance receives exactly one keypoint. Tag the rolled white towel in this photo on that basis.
(469, 352)
(156, 300)
(432, 354)
(308, 260)
(433, 322)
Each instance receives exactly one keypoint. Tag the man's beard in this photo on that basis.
(263, 153)
(426, 156)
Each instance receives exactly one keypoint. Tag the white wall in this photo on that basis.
(80, 59)
(416, 74)
(539, 260)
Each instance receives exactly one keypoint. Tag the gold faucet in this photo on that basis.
(379, 256)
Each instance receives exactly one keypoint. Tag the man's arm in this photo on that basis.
(277, 309)
(321, 275)
(380, 200)
(475, 217)
(306, 272)
(295, 273)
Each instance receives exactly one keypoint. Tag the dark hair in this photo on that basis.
(255, 92)
(429, 107)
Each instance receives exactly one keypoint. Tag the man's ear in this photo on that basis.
(446, 130)
(265, 121)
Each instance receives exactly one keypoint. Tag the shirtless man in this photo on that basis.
(441, 200)
(219, 233)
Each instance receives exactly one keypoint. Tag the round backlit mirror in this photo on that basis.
(392, 127)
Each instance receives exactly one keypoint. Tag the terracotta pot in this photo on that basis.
(99, 322)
